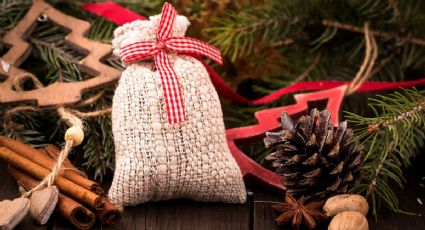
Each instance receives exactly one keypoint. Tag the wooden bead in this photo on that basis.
(75, 134)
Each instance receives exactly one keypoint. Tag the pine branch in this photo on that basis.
(392, 122)
(99, 149)
(393, 137)
(299, 30)
(238, 34)
(102, 30)
(62, 66)
(381, 34)
(12, 11)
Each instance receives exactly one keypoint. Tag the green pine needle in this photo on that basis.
(393, 137)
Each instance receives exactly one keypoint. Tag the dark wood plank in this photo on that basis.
(185, 214)
(133, 218)
(263, 218)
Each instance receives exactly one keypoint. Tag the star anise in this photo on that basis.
(297, 212)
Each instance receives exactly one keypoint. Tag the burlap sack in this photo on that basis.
(159, 161)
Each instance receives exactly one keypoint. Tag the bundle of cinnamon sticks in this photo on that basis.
(81, 201)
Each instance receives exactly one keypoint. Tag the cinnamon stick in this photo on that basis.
(48, 162)
(66, 186)
(74, 212)
(109, 214)
(53, 152)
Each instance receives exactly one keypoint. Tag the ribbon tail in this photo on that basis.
(168, 16)
(193, 46)
(137, 51)
(171, 89)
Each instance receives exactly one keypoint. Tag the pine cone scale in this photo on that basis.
(312, 160)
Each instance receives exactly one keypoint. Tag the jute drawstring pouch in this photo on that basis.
(156, 160)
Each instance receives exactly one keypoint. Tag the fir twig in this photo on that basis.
(381, 34)
(413, 113)
(393, 137)
(238, 34)
(310, 68)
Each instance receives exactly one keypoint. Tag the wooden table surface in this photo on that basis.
(185, 214)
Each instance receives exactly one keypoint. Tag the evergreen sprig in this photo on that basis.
(240, 32)
(12, 11)
(313, 23)
(51, 48)
(393, 137)
(301, 30)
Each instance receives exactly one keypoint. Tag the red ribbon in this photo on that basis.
(113, 12)
(120, 15)
(164, 41)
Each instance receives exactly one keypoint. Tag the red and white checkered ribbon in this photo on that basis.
(164, 41)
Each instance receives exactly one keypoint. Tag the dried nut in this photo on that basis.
(349, 221)
(345, 202)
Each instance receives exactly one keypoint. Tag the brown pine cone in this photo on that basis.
(315, 159)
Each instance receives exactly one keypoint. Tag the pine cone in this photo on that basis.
(314, 158)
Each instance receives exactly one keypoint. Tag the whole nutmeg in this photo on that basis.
(345, 202)
(349, 221)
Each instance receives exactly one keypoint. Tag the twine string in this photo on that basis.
(96, 113)
(91, 100)
(365, 71)
(70, 118)
(63, 169)
(72, 121)
(83, 174)
(19, 79)
(50, 178)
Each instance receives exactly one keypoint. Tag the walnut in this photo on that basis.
(345, 202)
(349, 221)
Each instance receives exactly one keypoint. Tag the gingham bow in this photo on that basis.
(164, 41)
